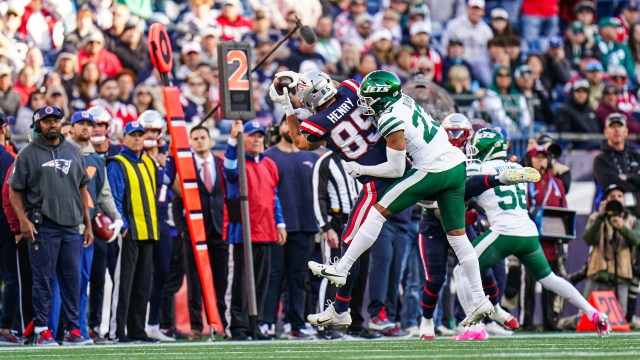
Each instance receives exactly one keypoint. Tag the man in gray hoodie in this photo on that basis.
(48, 192)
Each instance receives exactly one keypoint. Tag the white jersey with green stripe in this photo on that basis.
(428, 145)
(506, 205)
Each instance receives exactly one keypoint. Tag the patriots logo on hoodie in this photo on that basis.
(59, 164)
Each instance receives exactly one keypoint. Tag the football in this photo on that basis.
(281, 82)
(100, 225)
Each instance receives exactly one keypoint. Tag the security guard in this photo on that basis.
(132, 177)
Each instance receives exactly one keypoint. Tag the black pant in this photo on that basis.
(134, 287)
(9, 273)
(25, 286)
(239, 306)
(173, 284)
(161, 261)
(289, 262)
(219, 262)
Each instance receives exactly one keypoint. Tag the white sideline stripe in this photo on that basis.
(185, 154)
(196, 216)
(201, 247)
(190, 185)
(176, 123)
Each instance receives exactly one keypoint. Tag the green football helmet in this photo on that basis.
(378, 91)
(486, 144)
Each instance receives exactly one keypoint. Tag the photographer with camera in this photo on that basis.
(614, 234)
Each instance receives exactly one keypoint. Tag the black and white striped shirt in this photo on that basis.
(334, 191)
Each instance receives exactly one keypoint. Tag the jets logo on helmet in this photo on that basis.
(486, 144)
(459, 129)
(378, 90)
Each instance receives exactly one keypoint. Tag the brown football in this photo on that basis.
(100, 226)
(282, 82)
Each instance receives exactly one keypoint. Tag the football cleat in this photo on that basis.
(472, 334)
(330, 272)
(380, 322)
(330, 317)
(153, 332)
(601, 322)
(478, 312)
(427, 329)
(503, 317)
(74, 337)
(45, 338)
(495, 329)
(523, 175)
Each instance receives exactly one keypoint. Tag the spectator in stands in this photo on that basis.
(608, 105)
(634, 47)
(121, 15)
(499, 23)
(33, 59)
(455, 49)
(626, 100)
(576, 116)
(345, 22)
(613, 53)
(614, 236)
(56, 97)
(471, 29)
(382, 47)
(132, 48)
(459, 86)
(504, 104)
(25, 114)
(349, 61)
(390, 20)
(84, 25)
(484, 66)
(41, 28)
(295, 170)
(121, 114)
(67, 67)
(557, 66)
(195, 98)
(435, 100)
(9, 36)
(594, 73)
(25, 84)
(232, 24)
(539, 72)
(10, 100)
(513, 48)
(617, 163)
(190, 59)
(577, 43)
(209, 43)
(526, 84)
(126, 81)
(585, 12)
(539, 20)
(199, 18)
(301, 53)
(93, 50)
(263, 30)
(420, 38)
(627, 17)
(146, 98)
(328, 46)
(361, 32)
(268, 225)
(368, 64)
(402, 66)
(88, 85)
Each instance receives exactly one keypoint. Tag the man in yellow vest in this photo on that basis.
(132, 176)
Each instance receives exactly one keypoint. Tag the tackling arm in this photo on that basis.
(394, 166)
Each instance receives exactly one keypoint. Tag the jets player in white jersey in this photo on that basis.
(511, 233)
(438, 172)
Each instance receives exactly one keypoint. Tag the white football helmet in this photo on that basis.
(101, 116)
(459, 129)
(153, 120)
(314, 89)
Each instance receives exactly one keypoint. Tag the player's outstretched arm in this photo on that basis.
(298, 140)
(392, 168)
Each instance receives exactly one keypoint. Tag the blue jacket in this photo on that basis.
(116, 177)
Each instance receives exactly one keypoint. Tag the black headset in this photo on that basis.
(45, 112)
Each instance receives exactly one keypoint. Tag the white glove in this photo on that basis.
(292, 74)
(353, 169)
(302, 113)
(116, 227)
(283, 99)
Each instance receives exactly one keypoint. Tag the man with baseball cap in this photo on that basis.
(472, 30)
(132, 176)
(50, 198)
(267, 221)
(613, 52)
(82, 124)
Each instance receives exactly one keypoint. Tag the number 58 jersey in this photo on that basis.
(346, 131)
(506, 205)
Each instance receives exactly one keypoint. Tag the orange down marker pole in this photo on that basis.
(162, 59)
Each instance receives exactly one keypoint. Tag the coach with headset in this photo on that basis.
(48, 191)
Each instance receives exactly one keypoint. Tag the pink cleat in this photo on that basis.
(472, 334)
(601, 322)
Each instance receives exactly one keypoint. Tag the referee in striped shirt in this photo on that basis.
(335, 192)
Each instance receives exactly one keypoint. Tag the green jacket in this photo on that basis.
(614, 53)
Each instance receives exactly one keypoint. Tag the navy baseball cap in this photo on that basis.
(48, 111)
(254, 126)
(134, 126)
(82, 116)
(556, 42)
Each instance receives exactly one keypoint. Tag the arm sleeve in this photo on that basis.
(392, 168)
(18, 177)
(476, 185)
(320, 180)
(632, 235)
(177, 207)
(105, 200)
(12, 219)
(278, 212)
(116, 179)
(592, 230)
(230, 163)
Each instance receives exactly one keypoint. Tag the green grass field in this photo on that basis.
(582, 346)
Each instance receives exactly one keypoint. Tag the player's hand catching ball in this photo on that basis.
(353, 169)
